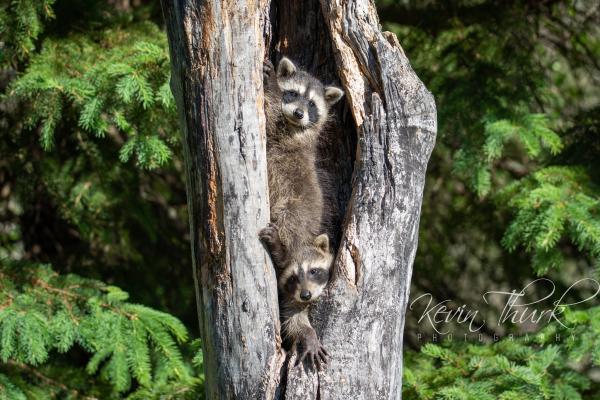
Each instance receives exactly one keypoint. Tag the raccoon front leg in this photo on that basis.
(268, 70)
(297, 329)
(309, 348)
(270, 236)
(270, 78)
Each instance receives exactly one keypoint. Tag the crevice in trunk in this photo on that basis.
(298, 31)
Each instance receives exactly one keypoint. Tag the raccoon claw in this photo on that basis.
(270, 237)
(269, 234)
(268, 69)
(313, 352)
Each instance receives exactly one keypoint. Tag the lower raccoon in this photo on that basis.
(301, 279)
(297, 108)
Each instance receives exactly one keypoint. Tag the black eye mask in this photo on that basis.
(289, 96)
(320, 276)
(313, 113)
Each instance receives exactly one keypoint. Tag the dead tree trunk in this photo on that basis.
(378, 153)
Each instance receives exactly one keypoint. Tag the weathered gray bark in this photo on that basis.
(383, 139)
(216, 57)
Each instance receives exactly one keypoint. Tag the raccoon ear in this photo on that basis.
(285, 68)
(333, 94)
(322, 243)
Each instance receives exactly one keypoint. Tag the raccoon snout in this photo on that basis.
(298, 113)
(305, 295)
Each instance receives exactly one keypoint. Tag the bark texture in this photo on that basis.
(217, 52)
(377, 153)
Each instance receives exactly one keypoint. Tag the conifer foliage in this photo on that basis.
(129, 347)
(538, 366)
(554, 203)
(106, 81)
(21, 23)
(88, 138)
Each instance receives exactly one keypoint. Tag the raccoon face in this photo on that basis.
(307, 274)
(305, 101)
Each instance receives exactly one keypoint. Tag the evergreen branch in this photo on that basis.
(47, 380)
(45, 311)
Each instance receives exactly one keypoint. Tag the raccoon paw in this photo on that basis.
(312, 351)
(270, 235)
(268, 69)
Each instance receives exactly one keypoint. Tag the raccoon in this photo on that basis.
(300, 283)
(302, 275)
(297, 108)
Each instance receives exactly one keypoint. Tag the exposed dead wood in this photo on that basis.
(377, 153)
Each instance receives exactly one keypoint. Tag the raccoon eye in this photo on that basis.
(311, 103)
(292, 93)
(293, 279)
(314, 271)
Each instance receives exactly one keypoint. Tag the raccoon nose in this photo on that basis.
(298, 113)
(305, 295)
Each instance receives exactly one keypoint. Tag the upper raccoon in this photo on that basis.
(296, 108)
(300, 98)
